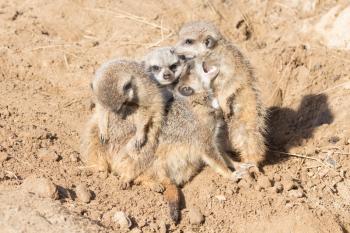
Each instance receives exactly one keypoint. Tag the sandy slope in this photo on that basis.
(50, 50)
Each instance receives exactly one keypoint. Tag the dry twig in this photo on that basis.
(302, 156)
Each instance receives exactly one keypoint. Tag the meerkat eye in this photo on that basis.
(155, 68)
(182, 57)
(189, 41)
(209, 42)
(173, 67)
(127, 86)
(186, 91)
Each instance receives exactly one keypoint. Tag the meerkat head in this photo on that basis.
(163, 65)
(197, 39)
(192, 88)
(115, 84)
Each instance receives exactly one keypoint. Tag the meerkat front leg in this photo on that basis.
(142, 120)
(103, 121)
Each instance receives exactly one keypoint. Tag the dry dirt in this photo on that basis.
(49, 51)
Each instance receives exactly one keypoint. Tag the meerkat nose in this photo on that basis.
(172, 50)
(167, 76)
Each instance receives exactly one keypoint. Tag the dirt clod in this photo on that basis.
(47, 155)
(83, 193)
(195, 216)
(343, 189)
(263, 182)
(296, 193)
(41, 187)
(289, 184)
(278, 187)
(3, 157)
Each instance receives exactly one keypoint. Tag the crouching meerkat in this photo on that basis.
(235, 87)
(130, 107)
(188, 140)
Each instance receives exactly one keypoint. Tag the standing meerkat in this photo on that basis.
(235, 87)
(188, 140)
(130, 106)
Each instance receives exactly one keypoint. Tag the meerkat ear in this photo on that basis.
(210, 42)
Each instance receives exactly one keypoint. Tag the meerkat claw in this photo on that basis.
(238, 175)
(103, 139)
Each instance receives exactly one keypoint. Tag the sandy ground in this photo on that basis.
(49, 51)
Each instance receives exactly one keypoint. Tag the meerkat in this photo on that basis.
(235, 87)
(188, 140)
(130, 106)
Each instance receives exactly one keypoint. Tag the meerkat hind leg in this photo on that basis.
(152, 184)
(218, 164)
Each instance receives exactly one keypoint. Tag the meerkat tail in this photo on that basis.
(172, 196)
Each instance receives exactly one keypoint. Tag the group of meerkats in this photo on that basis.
(158, 121)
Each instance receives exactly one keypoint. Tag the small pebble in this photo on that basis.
(83, 193)
(135, 230)
(220, 197)
(243, 184)
(122, 219)
(196, 216)
(42, 187)
(289, 184)
(343, 189)
(264, 182)
(347, 141)
(47, 155)
(296, 193)
(3, 156)
(74, 157)
(162, 227)
(277, 177)
(278, 187)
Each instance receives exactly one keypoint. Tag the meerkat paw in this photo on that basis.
(245, 169)
(156, 187)
(136, 143)
(125, 185)
(237, 175)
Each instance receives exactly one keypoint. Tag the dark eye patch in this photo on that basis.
(189, 41)
(155, 68)
(209, 42)
(127, 86)
(186, 90)
(173, 67)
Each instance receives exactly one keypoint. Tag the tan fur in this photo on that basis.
(187, 142)
(134, 120)
(235, 87)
